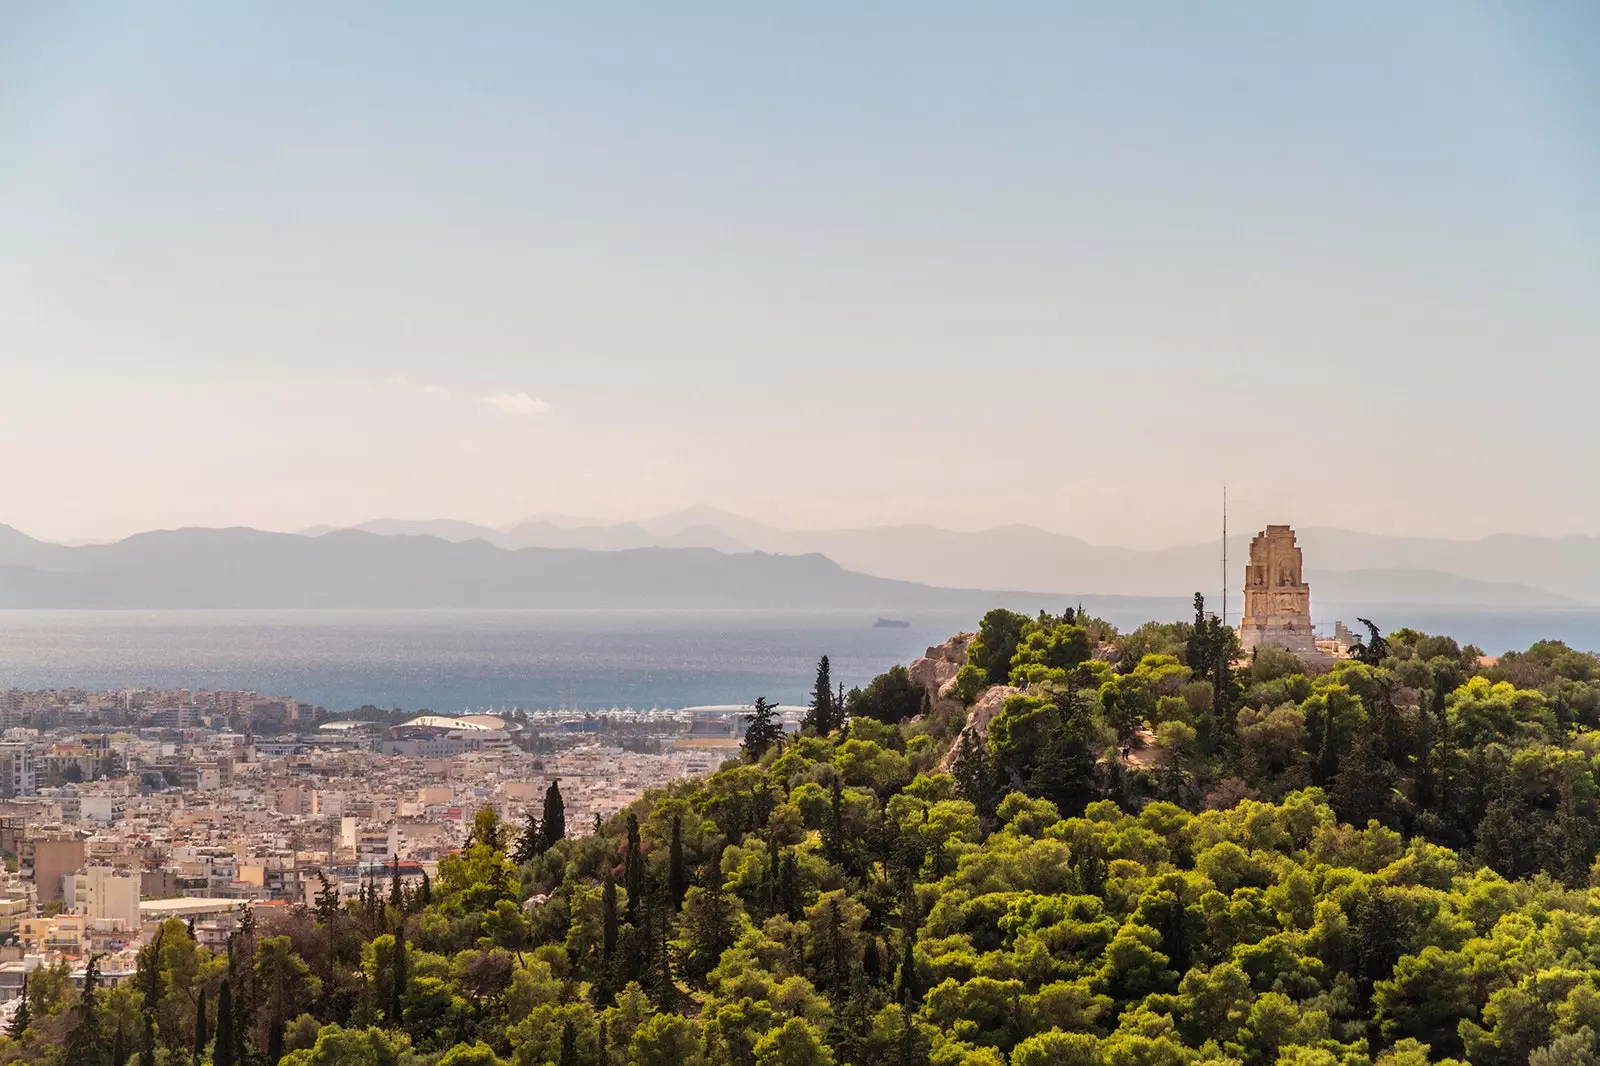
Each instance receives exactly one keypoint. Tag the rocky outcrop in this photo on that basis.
(979, 717)
(936, 671)
(939, 666)
(988, 706)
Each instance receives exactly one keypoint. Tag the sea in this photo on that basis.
(461, 660)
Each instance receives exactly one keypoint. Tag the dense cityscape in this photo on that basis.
(119, 810)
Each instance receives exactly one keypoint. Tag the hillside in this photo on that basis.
(1152, 861)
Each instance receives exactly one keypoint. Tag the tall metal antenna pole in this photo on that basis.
(1224, 553)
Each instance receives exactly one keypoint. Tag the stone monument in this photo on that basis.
(1277, 602)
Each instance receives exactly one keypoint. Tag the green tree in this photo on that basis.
(530, 842)
(201, 1036)
(762, 729)
(83, 1046)
(996, 644)
(677, 874)
(553, 826)
(794, 1043)
(821, 716)
(222, 1053)
(891, 698)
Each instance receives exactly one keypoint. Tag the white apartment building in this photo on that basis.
(17, 775)
(106, 893)
(102, 809)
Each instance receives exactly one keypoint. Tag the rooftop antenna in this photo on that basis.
(1224, 553)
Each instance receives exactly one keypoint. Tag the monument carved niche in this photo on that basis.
(1277, 602)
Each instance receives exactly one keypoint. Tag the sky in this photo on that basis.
(822, 264)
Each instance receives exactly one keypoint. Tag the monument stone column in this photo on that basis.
(1277, 601)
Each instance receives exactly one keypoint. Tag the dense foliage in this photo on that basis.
(1156, 854)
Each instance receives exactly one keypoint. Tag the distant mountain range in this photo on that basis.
(1343, 567)
(701, 557)
(205, 568)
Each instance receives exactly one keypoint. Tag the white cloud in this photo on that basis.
(438, 392)
(515, 403)
(399, 381)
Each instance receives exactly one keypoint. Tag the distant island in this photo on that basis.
(891, 623)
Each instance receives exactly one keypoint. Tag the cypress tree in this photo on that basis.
(833, 830)
(275, 1041)
(677, 876)
(569, 1045)
(665, 990)
(424, 891)
(222, 1055)
(774, 873)
(553, 826)
(633, 869)
(608, 918)
(82, 1045)
(872, 963)
(820, 715)
(119, 1047)
(149, 980)
(397, 988)
(397, 891)
(907, 989)
(793, 901)
(200, 1034)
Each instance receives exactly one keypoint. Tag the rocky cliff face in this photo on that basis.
(938, 668)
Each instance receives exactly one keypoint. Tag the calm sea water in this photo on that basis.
(474, 659)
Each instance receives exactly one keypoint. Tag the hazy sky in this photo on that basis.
(1065, 263)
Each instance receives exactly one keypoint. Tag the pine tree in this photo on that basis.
(397, 985)
(527, 846)
(820, 716)
(200, 1034)
(553, 827)
(19, 1020)
(222, 1054)
(976, 777)
(761, 729)
(327, 901)
(677, 876)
